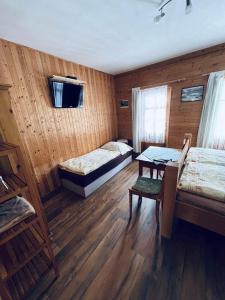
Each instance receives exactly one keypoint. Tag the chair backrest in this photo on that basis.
(186, 146)
(187, 140)
(172, 174)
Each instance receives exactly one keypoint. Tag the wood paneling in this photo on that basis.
(185, 71)
(54, 135)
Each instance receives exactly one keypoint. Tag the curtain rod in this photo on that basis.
(171, 81)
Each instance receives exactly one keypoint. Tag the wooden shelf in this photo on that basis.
(25, 249)
(20, 250)
(6, 149)
(17, 229)
(16, 186)
(22, 282)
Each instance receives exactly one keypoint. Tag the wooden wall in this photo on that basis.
(185, 71)
(54, 135)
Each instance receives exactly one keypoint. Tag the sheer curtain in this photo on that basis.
(211, 132)
(149, 115)
(137, 115)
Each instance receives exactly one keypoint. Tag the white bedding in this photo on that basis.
(89, 162)
(206, 155)
(117, 146)
(207, 180)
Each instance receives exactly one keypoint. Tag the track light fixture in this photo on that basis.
(161, 14)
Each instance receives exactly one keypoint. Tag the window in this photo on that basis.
(154, 118)
(149, 112)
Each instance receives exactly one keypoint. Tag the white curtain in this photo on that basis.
(149, 115)
(137, 114)
(211, 132)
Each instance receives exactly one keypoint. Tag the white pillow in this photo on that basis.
(117, 146)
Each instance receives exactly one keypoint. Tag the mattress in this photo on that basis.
(83, 181)
(206, 155)
(201, 202)
(89, 162)
(207, 180)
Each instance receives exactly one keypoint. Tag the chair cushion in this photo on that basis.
(148, 185)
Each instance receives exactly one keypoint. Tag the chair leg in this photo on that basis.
(157, 212)
(130, 201)
(151, 173)
(139, 201)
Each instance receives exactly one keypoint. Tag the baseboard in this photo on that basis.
(45, 198)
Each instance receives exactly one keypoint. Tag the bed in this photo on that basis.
(86, 173)
(206, 155)
(195, 190)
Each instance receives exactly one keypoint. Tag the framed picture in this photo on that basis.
(194, 93)
(123, 103)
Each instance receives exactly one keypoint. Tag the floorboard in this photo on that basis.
(101, 256)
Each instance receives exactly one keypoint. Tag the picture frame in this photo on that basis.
(124, 104)
(192, 94)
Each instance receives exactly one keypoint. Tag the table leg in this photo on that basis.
(151, 173)
(140, 169)
(139, 201)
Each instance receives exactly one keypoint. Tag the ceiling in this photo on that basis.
(113, 36)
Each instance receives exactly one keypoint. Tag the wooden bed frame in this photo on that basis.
(188, 212)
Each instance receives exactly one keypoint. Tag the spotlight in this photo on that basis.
(159, 17)
(188, 8)
(162, 14)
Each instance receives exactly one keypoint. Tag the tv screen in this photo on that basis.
(66, 94)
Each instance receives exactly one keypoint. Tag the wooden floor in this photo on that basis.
(101, 256)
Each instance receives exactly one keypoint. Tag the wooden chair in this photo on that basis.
(148, 188)
(158, 170)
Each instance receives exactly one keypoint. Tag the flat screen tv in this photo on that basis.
(65, 94)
